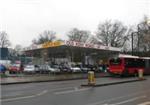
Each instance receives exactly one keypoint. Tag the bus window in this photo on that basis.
(141, 63)
(115, 61)
(130, 62)
(149, 63)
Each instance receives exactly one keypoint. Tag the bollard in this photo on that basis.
(140, 74)
(91, 78)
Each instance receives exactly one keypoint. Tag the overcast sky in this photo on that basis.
(23, 20)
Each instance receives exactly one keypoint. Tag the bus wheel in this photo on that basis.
(136, 73)
(111, 74)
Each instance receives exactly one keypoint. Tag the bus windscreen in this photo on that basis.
(115, 61)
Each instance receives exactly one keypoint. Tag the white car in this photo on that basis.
(31, 69)
(47, 68)
(75, 69)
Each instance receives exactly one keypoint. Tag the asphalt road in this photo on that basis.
(71, 93)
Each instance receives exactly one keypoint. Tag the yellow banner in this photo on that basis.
(51, 44)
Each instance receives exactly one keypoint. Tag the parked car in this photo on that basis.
(92, 67)
(31, 69)
(48, 68)
(75, 68)
(84, 68)
(56, 68)
(64, 68)
(14, 68)
(70, 67)
(2, 68)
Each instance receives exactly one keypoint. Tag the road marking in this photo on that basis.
(113, 99)
(61, 89)
(42, 93)
(71, 91)
(35, 95)
(145, 103)
(18, 98)
(127, 101)
(25, 97)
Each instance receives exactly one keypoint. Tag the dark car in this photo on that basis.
(103, 68)
(65, 68)
(2, 68)
(84, 68)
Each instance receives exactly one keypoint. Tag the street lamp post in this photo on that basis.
(132, 42)
(132, 39)
(138, 43)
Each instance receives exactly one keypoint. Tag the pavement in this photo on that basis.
(21, 79)
(104, 81)
(113, 81)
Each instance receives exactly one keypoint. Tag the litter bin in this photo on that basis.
(91, 78)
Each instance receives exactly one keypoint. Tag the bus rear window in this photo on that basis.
(115, 61)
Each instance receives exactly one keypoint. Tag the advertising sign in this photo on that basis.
(51, 44)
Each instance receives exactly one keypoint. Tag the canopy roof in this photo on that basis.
(71, 44)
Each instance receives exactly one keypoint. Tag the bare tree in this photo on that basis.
(143, 35)
(18, 49)
(78, 35)
(113, 34)
(4, 42)
(94, 40)
(45, 37)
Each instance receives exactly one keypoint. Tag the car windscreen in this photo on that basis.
(55, 66)
(30, 66)
(16, 65)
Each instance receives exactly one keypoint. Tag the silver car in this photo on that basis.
(31, 69)
(48, 68)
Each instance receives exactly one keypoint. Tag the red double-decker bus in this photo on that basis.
(129, 65)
